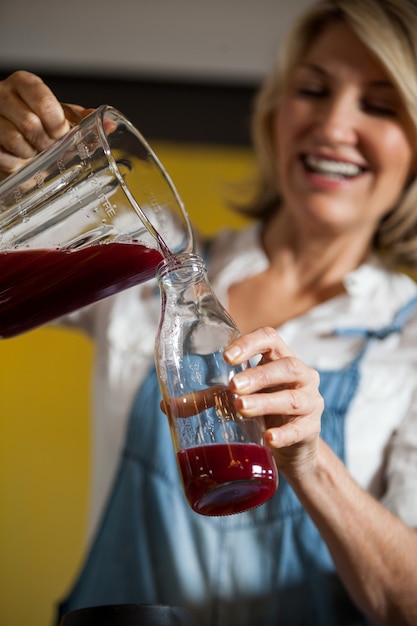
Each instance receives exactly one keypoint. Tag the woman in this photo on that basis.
(335, 130)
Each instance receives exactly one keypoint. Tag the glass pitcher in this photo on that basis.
(93, 214)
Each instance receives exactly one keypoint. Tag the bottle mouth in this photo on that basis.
(180, 267)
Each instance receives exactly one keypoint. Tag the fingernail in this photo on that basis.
(240, 382)
(232, 353)
(270, 436)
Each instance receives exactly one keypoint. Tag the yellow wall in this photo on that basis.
(44, 426)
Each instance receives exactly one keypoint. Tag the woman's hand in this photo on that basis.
(285, 391)
(31, 119)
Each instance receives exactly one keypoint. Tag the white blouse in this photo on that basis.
(381, 435)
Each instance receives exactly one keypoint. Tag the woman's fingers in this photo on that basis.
(284, 390)
(31, 119)
(29, 107)
(265, 341)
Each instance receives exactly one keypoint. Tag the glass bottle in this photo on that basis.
(224, 465)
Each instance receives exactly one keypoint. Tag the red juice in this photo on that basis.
(221, 479)
(39, 285)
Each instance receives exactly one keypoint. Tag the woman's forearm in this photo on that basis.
(374, 552)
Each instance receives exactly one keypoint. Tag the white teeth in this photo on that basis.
(329, 167)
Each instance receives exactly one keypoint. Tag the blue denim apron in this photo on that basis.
(268, 566)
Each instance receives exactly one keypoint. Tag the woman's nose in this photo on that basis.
(337, 121)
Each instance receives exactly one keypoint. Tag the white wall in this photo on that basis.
(226, 39)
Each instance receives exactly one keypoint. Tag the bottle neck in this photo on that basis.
(186, 291)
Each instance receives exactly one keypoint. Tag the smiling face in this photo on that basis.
(342, 136)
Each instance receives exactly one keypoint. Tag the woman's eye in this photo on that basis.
(311, 92)
(380, 109)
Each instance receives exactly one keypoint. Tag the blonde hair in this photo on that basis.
(389, 30)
